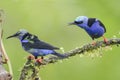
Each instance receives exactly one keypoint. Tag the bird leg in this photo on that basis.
(39, 60)
(93, 43)
(105, 39)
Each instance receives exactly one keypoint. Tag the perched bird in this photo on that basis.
(33, 45)
(94, 27)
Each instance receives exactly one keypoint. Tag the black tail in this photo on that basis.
(60, 55)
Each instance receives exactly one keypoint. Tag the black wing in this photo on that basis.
(102, 25)
(38, 44)
(91, 21)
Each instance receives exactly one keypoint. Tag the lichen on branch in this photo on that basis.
(86, 48)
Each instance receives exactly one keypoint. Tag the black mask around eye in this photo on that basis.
(80, 22)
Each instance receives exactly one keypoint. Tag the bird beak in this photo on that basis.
(72, 23)
(14, 35)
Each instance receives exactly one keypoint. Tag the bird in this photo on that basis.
(93, 26)
(32, 44)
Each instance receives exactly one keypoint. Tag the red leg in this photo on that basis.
(39, 60)
(93, 43)
(105, 39)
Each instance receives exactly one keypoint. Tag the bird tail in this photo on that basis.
(60, 55)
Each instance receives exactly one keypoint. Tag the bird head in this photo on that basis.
(80, 21)
(19, 34)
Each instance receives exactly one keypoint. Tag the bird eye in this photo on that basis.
(17, 33)
(80, 22)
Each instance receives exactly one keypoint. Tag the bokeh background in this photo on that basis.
(49, 20)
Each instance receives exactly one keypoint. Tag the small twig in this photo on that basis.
(3, 53)
(4, 75)
(53, 59)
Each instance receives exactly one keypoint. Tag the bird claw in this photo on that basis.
(105, 40)
(39, 60)
(93, 43)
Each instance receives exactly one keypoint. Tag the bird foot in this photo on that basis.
(31, 57)
(93, 43)
(39, 60)
(106, 40)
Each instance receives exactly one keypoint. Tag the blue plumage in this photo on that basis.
(33, 45)
(94, 27)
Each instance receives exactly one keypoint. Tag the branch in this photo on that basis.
(34, 67)
(83, 49)
(4, 75)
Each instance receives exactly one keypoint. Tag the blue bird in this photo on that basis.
(33, 45)
(94, 27)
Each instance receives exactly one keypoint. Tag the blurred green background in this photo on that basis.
(49, 20)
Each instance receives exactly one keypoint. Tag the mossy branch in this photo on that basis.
(35, 67)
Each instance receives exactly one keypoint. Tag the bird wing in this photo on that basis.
(37, 44)
(92, 20)
(102, 25)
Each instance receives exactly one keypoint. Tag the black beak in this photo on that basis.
(14, 35)
(72, 23)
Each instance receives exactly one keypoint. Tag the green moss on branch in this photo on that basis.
(86, 48)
